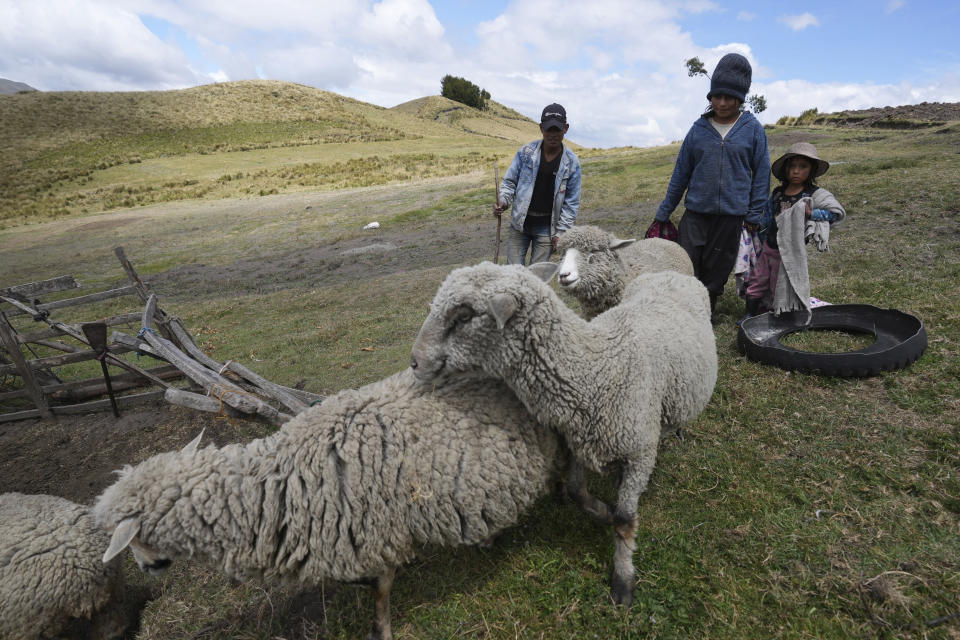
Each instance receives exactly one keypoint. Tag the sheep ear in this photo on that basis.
(194, 444)
(122, 535)
(502, 306)
(616, 244)
(545, 270)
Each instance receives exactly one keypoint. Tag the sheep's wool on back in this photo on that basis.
(50, 565)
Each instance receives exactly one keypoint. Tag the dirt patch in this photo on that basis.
(109, 223)
(379, 252)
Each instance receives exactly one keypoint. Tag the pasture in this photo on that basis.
(795, 506)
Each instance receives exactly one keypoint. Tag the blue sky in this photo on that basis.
(617, 65)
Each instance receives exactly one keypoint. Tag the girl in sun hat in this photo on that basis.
(797, 170)
(724, 169)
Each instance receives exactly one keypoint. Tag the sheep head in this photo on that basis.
(120, 511)
(590, 259)
(474, 314)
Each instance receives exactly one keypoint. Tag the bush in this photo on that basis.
(463, 91)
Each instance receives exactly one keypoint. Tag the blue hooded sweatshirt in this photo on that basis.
(722, 176)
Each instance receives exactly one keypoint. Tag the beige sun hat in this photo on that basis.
(806, 150)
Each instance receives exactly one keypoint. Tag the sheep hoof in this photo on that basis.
(621, 591)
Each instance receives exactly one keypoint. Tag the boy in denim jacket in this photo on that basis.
(543, 185)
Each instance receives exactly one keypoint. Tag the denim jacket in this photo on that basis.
(725, 176)
(517, 187)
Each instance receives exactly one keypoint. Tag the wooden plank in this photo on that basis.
(9, 341)
(199, 402)
(57, 361)
(19, 415)
(134, 344)
(80, 300)
(59, 346)
(268, 388)
(32, 289)
(143, 291)
(83, 389)
(213, 383)
(74, 330)
(104, 405)
(11, 395)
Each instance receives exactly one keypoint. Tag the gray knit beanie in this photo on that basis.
(731, 77)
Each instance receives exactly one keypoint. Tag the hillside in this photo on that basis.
(497, 120)
(77, 152)
(8, 87)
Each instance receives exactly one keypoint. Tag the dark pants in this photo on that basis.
(712, 242)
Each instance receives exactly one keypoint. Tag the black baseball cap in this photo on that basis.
(554, 115)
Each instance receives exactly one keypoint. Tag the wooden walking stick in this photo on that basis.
(496, 193)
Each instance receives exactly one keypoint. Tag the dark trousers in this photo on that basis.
(712, 242)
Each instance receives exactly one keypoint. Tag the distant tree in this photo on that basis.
(758, 104)
(695, 67)
(463, 91)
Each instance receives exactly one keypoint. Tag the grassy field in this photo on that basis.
(69, 153)
(795, 506)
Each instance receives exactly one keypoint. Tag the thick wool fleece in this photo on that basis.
(51, 570)
(603, 272)
(347, 488)
(609, 385)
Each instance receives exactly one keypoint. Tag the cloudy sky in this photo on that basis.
(617, 65)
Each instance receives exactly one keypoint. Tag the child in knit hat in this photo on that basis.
(724, 169)
(797, 170)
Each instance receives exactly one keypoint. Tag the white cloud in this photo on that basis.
(792, 97)
(617, 65)
(746, 16)
(893, 5)
(53, 44)
(800, 22)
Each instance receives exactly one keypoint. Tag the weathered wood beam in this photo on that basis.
(80, 300)
(213, 383)
(9, 340)
(72, 330)
(69, 358)
(83, 389)
(198, 402)
(33, 289)
(268, 388)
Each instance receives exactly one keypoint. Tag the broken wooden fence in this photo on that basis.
(228, 388)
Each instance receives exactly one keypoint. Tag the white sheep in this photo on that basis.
(596, 265)
(609, 385)
(346, 490)
(51, 576)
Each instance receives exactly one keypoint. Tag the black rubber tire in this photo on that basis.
(900, 339)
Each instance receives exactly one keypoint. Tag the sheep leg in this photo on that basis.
(636, 474)
(381, 605)
(577, 490)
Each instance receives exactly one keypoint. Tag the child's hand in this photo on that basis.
(807, 210)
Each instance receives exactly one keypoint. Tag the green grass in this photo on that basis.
(795, 506)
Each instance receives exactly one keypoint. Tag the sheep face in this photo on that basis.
(473, 316)
(591, 261)
(119, 510)
(124, 535)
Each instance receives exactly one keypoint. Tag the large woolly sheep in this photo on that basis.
(609, 385)
(596, 265)
(51, 575)
(347, 490)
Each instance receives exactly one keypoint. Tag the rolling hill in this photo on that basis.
(77, 152)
